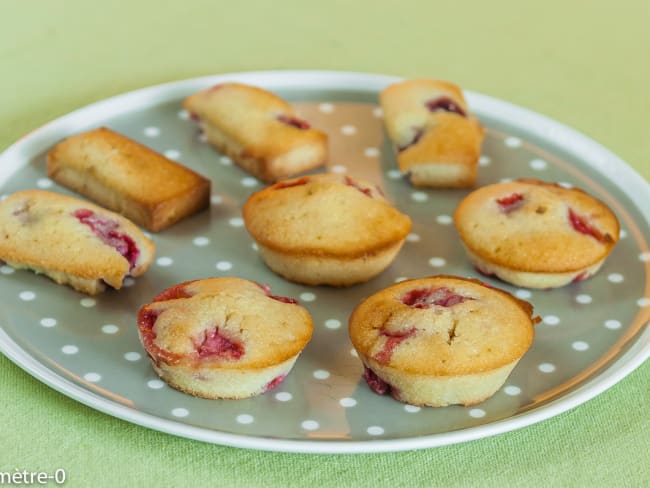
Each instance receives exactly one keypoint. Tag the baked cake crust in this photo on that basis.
(440, 340)
(258, 130)
(223, 337)
(437, 139)
(537, 234)
(129, 178)
(72, 241)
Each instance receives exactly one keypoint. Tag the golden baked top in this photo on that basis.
(50, 231)
(443, 326)
(327, 214)
(533, 226)
(224, 322)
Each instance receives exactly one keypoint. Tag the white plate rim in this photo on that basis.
(600, 159)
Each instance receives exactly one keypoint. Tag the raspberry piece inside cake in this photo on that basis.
(293, 121)
(274, 382)
(350, 182)
(106, 230)
(510, 203)
(582, 225)
(428, 297)
(213, 343)
(445, 104)
(267, 290)
(375, 383)
(289, 184)
(394, 340)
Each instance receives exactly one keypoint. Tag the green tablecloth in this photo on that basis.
(586, 64)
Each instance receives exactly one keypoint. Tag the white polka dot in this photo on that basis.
(88, 302)
(348, 130)
(399, 279)
(6, 270)
(164, 261)
(394, 174)
(477, 413)
(128, 281)
(216, 199)
(172, 154)
(565, 184)
(546, 367)
(224, 265)
(523, 294)
(249, 182)
(413, 237)
(551, 320)
(584, 298)
(93, 377)
(180, 412)
(378, 112)
(244, 418)
(644, 256)
(613, 324)
(155, 384)
(505, 180)
(310, 425)
(375, 430)
(615, 278)
(225, 160)
(512, 390)
(354, 353)
(333, 324)
(347, 402)
(152, 132)
(326, 108)
(236, 222)
(283, 396)
(132, 356)
(110, 329)
(254, 246)
(307, 296)
(339, 169)
(643, 302)
(412, 408)
(580, 346)
(444, 219)
(321, 374)
(538, 164)
(27, 296)
(371, 152)
(201, 241)
(512, 141)
(484, 160)
(419, 196)
(183, 114)
(69, 349)
(44, 183)
(437, 262)
(622, 234)
(48, 322)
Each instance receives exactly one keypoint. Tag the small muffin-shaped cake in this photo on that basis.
(535, 234)
(129, 178)
(441, 340)
(258, 130)
(325, 229)
(223, 337)
(71, 241)
(438, 141)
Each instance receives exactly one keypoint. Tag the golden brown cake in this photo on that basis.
(325, 229)
(223, 337)
(441, 340)
(71, 241)
(535, 234)
(438, 141)
(258, 130)
(129, 178)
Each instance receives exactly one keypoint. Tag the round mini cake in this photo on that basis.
(325, 229)
(535, 234)
(223, 337)
(441, 340)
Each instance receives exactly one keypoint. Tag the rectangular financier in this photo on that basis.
(122, 175)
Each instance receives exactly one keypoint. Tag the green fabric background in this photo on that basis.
(585, 63)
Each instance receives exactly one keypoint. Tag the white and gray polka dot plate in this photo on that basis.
(592, 335)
